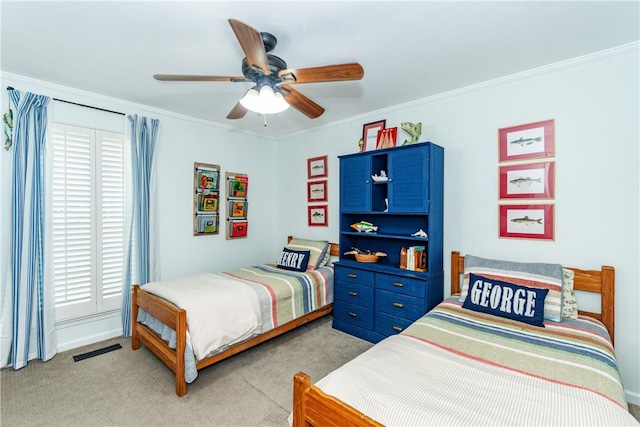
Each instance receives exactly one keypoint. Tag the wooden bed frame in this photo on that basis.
(313, 407)
(176, 319)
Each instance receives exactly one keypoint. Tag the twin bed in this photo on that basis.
(457, 365)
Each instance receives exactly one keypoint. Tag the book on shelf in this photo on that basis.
(208, 201)
(238, 228)
(207, 223)
(238, 208)
(238, 186)
(413, 258)
(208, 179)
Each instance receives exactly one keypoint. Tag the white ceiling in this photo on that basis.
(409, 50)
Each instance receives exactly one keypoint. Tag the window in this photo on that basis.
(88, 194)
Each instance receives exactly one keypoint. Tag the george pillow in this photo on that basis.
(569, 301)
(505, 299)
(293, 260)
(533, 275)
(317, 248)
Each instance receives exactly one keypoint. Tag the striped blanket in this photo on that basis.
(576, 353)
(453, 367)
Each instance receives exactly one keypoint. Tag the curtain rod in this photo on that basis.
(81, 105)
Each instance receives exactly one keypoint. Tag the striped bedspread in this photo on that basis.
(453, 368)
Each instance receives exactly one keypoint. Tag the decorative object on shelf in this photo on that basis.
(317, 191)
(206, 199)
(387, 138)
(527, 221)
(7, 118)
(527, 181)
(317, 216)
(237, 205)
(528, 141)
(317, 167)
(380, 178)
(413, 258)
(420, 233)
(366, 255)
(413, 129)
(370, 134)
(364, 227)
(361, 145)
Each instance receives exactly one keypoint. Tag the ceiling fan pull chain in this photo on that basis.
(264, 120)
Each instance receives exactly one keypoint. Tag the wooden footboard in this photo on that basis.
(312, 407)
(177, 320)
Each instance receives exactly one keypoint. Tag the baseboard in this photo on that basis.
(88, 331)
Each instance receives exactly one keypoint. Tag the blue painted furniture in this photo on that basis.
(375, 300)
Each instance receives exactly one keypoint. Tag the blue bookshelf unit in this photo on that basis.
(375, 300)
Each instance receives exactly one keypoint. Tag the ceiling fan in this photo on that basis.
(271, 76)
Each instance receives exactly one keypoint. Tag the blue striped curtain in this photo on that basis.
(33, 313)
(142, 231)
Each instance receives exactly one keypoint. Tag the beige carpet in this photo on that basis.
(127, 387)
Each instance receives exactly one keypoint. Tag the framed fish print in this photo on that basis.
(526, 221)
(528, 141)
(317, 216)
(527, 181)
(317, 167)
(317, 191)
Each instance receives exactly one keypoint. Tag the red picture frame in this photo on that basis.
(317, 167)
(317, 191)
(317, 216)
(527, 181)
(370, 134)
(528, 141)
(526, 221)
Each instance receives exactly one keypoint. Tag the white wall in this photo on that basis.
(595, 104)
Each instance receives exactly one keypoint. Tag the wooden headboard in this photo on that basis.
(599, 281)
(334, 248)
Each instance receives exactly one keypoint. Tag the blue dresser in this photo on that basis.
(375, 300)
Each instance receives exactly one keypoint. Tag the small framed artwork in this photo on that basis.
(526, 221)
(370, 134)
(527, 181)
(317, 167)
(317, 216)
(387, 138)
(317, 191)
(529, 141)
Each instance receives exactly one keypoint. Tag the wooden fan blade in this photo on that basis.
(328, 73)
(192, 78)
(301, 102)
(252, 45)
(237, 112)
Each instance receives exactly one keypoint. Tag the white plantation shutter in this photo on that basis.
(88, 195)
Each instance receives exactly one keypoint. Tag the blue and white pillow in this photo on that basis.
(317, 248)
(293, 260)
(505, 299)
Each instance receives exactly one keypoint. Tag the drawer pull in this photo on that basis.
(351, 313)
(396, 328)
(398, 304)
(353, 293)
(352, 275)
(398, 284)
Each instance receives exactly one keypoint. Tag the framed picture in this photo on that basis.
(526, 221)
(318, 216)
(317, 191)
(529, 141)
(387, 138)
(370, 134)
(527, 181)
(317, 167)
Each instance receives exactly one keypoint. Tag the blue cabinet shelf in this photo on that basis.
(410, 200)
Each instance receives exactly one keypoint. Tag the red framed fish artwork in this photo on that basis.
(528, 141)
(527, 221)
(527, 181)
(317, 216)
(317, 191)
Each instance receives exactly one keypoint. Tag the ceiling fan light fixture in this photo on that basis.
(266, 101)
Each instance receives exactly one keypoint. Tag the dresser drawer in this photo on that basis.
(389, 325)
(400, 284)
(353, 293)
(353, 275)
(353, 314)
(399, 305)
